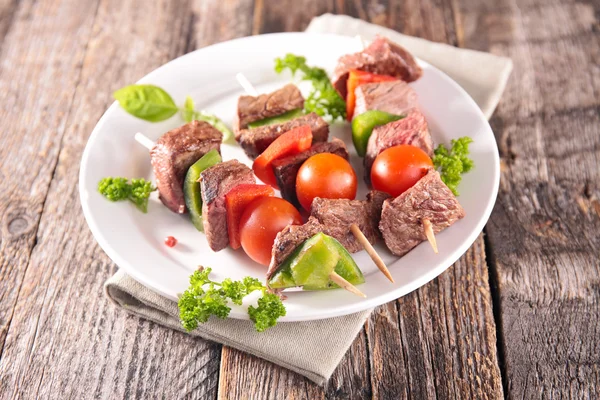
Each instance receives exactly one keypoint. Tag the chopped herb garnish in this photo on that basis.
(118, 189)
(205, 297)
(454, 162)
(323, 99)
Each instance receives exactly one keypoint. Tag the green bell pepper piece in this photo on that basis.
(278, 119)
(346, 268)
(311, 264)
(191, 186)
(363, 125)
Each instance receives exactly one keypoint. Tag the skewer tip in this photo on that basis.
(340, 281)
(428, 228)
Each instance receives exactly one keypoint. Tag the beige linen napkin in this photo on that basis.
(315, 348)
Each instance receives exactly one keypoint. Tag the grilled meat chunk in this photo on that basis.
(332, 217)
(337, 215)
(401, 219)
(251, 109)
(255, 141)
(215, 182)
(174, 153)
(380, 57)
(394, 97)
(286, 168)
(288, 239)
(411, 130)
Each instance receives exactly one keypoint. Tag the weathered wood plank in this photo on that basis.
(65, 340)
(48, 52)
(543, 233)
(8, 9)
(445, 346)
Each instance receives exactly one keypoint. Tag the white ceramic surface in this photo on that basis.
(134, 241)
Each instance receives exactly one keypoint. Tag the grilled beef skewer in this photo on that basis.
(215, 183)
(402, 218)
(174, 153)
(381, 57)
(254, 141)
(334, 218)
(255, 108)
(412, 130)
(395, 97)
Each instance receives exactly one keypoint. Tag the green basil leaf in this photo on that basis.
(147, 102)
(187, 113)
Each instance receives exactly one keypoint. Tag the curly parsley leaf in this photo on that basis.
(323, 99)
(205, 297)
(453, 162)
(270, 308)
(118, 189)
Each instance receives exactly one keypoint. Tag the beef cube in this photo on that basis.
(411, 130)
(376, 199)
(401, 218)
(252, 109)
(380, 57)
(288, 239)
(174, 153)
(215, 182)
(255, 141)
(336, 216)
(286, 168)
(394, 97)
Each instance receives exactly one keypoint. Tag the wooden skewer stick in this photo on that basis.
(429, 233)
(371, 251)
(245, 83)
(346, 285)
(144, 140)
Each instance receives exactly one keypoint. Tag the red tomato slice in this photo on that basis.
(291, 142)
(357, 78)
(236, 201)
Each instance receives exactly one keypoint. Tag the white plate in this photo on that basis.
(134, 241)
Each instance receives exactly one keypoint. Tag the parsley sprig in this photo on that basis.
(323, 99)
(118, 189)
(454, 162)
(205, 297)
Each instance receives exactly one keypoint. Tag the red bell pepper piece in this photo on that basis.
(236, 201)
(357, 78)
(291, 142)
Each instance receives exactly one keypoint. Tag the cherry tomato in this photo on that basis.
(398, 168)
(325, 175)
(261, 221)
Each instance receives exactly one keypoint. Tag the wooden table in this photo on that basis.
(517, 315)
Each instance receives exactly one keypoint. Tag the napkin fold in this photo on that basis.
(314, 348)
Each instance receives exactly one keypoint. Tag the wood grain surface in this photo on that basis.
(522, 324)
